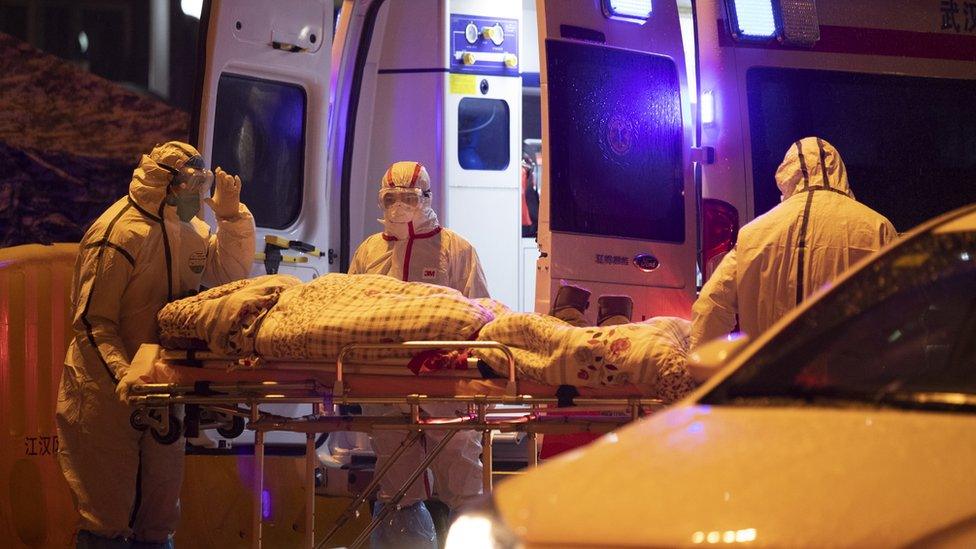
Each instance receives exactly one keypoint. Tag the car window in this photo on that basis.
(904, 324)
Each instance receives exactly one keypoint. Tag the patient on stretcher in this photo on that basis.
(278, 317)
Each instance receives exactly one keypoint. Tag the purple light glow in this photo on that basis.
(265, 504)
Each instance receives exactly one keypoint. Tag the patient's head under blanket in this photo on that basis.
(224, 319)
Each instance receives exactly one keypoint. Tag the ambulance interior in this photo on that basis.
(490, 112)
(469, 108)
(458, 86)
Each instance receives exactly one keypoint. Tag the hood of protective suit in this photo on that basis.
(812, 163)
(150, 181)
(423, 220)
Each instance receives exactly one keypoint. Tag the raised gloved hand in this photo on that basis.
(226, 199)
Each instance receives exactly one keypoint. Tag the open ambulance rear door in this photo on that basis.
(618, 212)
(263, 114)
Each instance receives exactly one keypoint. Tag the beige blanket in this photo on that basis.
(316, 320)
(224, 319)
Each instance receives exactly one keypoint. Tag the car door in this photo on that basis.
(263, 114)
(617, 214)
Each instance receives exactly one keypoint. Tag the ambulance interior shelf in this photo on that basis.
(272, 256)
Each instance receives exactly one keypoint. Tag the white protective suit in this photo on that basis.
(136, 257)
(420, 250)
(787, 254)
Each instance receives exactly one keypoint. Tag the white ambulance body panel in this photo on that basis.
(264, 114)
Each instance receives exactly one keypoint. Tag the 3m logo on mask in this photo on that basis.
(430, 273)
(197, 261)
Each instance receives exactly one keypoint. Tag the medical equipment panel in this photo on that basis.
(484, 45)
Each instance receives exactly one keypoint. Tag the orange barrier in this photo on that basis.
(35, 505)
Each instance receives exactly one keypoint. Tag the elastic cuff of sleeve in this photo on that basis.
(242, 212)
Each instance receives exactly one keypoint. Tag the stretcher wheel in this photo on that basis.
(137, 419)
(171, 436)
(234, 430)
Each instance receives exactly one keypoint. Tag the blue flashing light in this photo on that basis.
(628, 9)
(753, 18)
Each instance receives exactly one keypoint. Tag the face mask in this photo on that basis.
(399, 213)
(187, 205)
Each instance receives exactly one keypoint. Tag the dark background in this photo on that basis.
(118, 33)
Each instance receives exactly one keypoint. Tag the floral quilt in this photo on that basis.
(651, 354)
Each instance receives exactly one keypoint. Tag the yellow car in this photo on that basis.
(852, 422)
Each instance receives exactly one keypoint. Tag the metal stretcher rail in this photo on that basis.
(159, 394)
(510, 389)
(242, 399)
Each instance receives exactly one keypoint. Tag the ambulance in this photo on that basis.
(652, 128)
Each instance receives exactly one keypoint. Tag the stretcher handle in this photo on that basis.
(432, 345)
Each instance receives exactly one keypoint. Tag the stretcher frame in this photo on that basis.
(541, 415)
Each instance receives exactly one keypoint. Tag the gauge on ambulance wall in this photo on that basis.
(497, 34)
(471, 33)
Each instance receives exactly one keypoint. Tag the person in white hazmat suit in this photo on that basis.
(147, 249)
(414, 247)
(785, 255)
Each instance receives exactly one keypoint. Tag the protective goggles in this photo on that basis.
(191, 178)
(411, 196)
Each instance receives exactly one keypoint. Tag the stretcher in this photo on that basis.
(232, 389)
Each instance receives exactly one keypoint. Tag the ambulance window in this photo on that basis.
(259, 134)
(483, 142)
(615, 141)
(908, 142)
